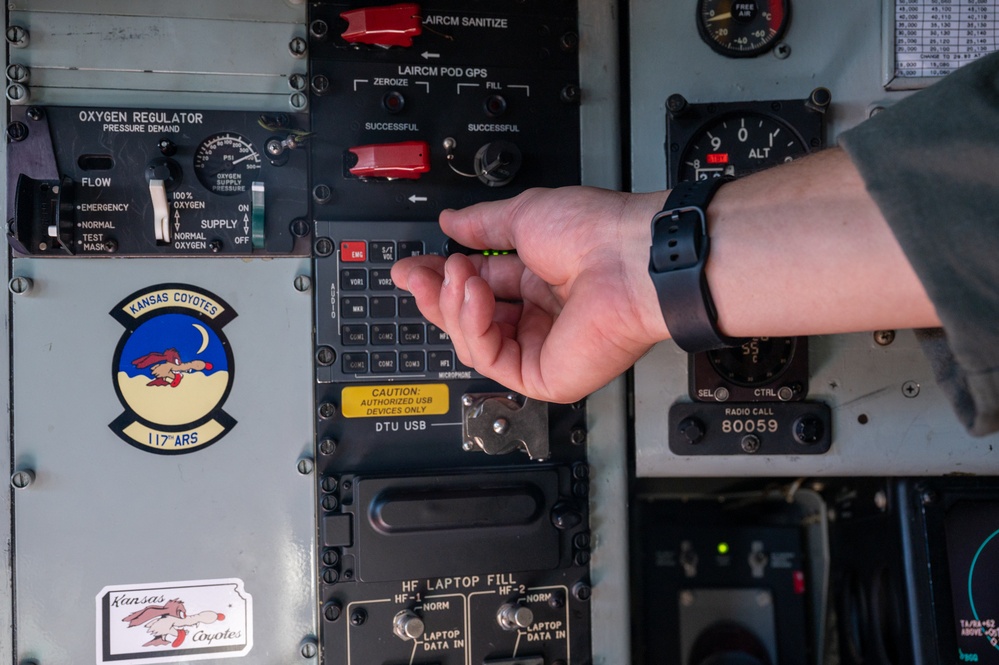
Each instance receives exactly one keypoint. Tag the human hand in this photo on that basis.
(571, 310)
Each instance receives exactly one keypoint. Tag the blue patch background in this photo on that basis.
(172, 331)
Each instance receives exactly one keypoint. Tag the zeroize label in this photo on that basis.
(174, 621)
(431, 399)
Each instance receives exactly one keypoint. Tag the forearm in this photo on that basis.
(802, 249)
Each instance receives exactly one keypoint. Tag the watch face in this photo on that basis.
(742, 28)
(738, 143)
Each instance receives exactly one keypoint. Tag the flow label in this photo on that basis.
(431, 399)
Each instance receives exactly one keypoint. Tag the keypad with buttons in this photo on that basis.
(375, 329)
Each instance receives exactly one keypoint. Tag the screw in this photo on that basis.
(581, 489)
(676, 104)
(556, 601)
(19, 286)
(17, 36)
(327, 446)
(578, 436)
(750, 443)
(325, 356)
(501, 425)
(298, 82)
(928, 497)
(569, 42)
(782, 51)
(320, 84)
(722, 394)
(215, 246)
(358, 617)
(298, 47)
(330, 503)
(347, 485)
(17, 93)
(110, 246)
(17, 131)
(570, 94)
(808, 430)
(324, 247)
(299, 228)
(309, 650)
(884, 337)
(686, 598)
(468, 446)
(691, 429)
(881, 500)
(580, 471)
(581, 541)
(319, 29)
(581, 558)
(348, 574)
(332, 611)
(327, 410)
(467, 400)
(21, 479)
(298, 101)
(274, 148)
(322, 194)
(331, 557)
(328, 483)
(303, 283)
(305, 466)
(910, 389)
(34, 113)
(582, 591)
(330, 576)
(17, 73)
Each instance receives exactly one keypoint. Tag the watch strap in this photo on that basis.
(679, 251)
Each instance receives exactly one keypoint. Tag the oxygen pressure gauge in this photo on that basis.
(742, 28)
(226, 164)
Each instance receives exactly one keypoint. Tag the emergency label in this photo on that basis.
(403, 400)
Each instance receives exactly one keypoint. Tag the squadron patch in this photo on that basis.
(172, 369)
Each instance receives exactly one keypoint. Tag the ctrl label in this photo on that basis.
(174, 621)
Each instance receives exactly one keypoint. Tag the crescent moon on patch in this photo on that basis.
(204, 336)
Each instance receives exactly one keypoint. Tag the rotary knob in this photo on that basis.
(407, 625)
(513, 616)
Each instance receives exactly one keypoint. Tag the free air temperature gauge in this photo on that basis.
(226, 163)
(742, 28)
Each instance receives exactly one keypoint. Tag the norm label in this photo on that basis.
(431, 399)
(174, 621)
(172, 369)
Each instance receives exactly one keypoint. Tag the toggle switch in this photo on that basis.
(408, 159)
(257, 214)
(394, 25)
(161, 210)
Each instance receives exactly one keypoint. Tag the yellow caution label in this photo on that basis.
(428, 399)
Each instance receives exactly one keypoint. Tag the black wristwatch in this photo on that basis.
(676, 264)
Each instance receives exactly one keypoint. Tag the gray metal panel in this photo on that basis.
(600, 145)
(277, 11)
(102, 512)
(902, 436)
(836, 45)
(75, 58)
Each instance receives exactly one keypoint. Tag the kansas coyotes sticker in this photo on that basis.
(174, 621)
(172, 369)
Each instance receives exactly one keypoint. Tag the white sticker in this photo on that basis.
(174, 621)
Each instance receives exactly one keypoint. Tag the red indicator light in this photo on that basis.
(408, 159)
(395, 25)
(799, 581)
(718, 158)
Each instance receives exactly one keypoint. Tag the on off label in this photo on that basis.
(398, 400)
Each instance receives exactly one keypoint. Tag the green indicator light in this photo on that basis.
(722, 548)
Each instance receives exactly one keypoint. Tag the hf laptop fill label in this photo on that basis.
(172, 369)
